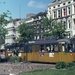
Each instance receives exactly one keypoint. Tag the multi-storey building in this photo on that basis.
(63, 11)
(38, 26)
(12, 26)
(12, 31)
(29, 18)
(37, 19)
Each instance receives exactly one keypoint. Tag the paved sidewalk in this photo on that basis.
(16, 68)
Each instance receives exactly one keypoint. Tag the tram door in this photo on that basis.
(35, 52)
(63, 55)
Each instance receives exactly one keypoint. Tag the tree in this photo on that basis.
(26, 32)
(52, 28)
(4, 20)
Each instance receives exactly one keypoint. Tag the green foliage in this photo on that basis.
(71, 68)
(53, 28)
(26, 32)
(49, 72)
(69, 64)
(14, 59)
(60, 65)
(4, 20)
(20, 59)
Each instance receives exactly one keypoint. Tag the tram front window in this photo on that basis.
(70, 48)
(74, 47)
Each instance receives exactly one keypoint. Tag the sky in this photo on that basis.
(19, 8)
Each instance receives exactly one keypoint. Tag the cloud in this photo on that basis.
(33, 3)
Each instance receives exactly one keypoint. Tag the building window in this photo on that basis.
(58, 13)
(74, 23)
(74, 0)
(68, 34)
(69, 2)
(54, 14)
(74, 9)
(69, 10)
(63, 3)
(14, 38)
(69, 24)
(50, 12)
(58, 5)
(64, 12)
(64, 24)
(54, 7)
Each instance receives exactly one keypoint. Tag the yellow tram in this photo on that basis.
(50, 51)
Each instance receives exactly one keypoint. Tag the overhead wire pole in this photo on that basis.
(20, 10)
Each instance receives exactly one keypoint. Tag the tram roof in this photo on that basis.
(73, 40)
(41, 42)
(67, 40)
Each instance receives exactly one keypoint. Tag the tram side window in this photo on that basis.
(22, 49)
(42, 49)
(8, 49)
(66, 47)
(30, 49)
(54, 48)
(48, 48)
(62, 47)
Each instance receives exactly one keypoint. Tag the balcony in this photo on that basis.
(11, 28)
(10, 36)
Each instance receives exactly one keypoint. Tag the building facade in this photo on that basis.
(63, 11)
(30, 18)
(12, 31)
